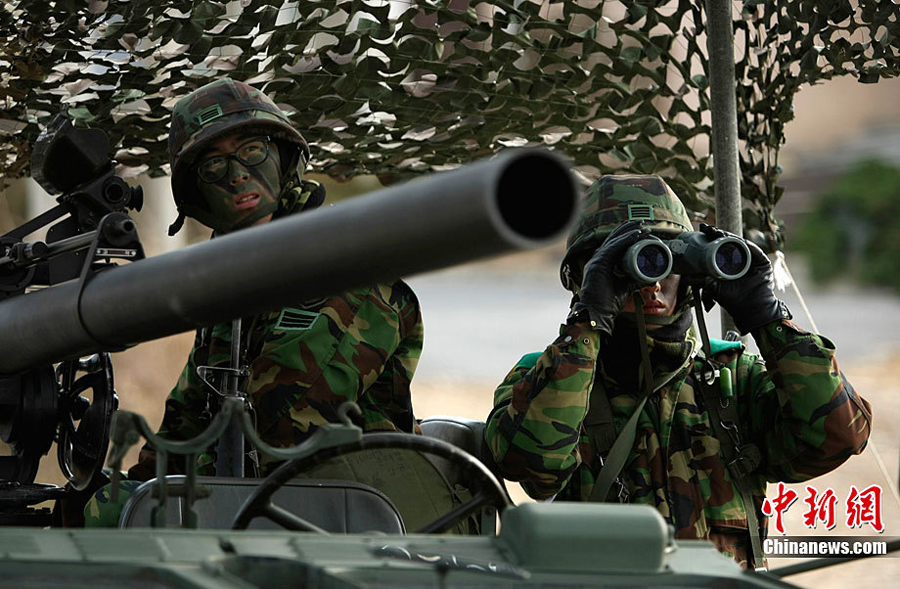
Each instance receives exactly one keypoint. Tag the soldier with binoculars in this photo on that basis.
(628, 405)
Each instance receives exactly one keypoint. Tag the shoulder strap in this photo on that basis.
(619, 452)
(742, 459)
(621, 448)
(598, 423)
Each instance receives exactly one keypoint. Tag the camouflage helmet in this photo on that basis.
(612, 200)
(215, 110)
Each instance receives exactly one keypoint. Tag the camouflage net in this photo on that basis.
(405, 87)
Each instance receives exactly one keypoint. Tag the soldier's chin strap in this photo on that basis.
(618, 454)
(203, 215)
(652, 320)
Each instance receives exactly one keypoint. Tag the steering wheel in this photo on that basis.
(488, 491)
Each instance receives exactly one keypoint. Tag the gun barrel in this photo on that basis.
(521, 199)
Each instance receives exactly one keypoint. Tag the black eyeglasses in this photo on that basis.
(250, 153)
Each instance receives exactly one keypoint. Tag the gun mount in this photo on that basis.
(74, 164)
(520, 199)
(71, 403)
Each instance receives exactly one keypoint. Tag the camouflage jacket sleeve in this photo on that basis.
(804, 414)
(362, 346)
(534, 428)
(387, 403)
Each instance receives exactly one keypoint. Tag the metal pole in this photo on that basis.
(723, 107)
(230, 446)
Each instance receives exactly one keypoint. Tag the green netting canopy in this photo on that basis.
(402, 87)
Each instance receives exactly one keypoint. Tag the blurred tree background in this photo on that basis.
(853, 229)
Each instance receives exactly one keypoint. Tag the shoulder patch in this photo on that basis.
(295, 319)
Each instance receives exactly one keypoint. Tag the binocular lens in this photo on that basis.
(653, 261)
(731, 259)
(691, 253)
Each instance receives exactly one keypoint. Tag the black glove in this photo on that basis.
(603, 290)
(749, 300)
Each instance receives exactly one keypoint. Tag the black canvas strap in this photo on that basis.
(621, 448)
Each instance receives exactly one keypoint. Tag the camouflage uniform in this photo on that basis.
(792, 401)
(362, 345)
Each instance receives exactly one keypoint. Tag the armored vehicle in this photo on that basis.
(69, 300)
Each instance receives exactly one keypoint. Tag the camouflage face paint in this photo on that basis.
(243, 189)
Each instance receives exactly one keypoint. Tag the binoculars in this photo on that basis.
(690, 254)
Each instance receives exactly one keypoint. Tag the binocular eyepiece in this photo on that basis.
(690, 254)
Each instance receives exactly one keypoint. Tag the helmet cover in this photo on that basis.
(614, 199)
(213, 111)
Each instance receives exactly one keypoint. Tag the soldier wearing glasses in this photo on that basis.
(237, 162)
